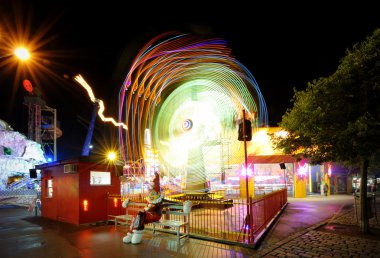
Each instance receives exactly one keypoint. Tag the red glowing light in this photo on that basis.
(27, 86)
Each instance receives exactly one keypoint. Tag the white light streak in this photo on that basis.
(87, 87)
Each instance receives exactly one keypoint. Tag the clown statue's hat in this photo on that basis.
(155, 194)
(156, 182)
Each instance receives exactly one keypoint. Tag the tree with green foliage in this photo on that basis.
(337, 118)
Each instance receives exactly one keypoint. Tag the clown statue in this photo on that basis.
(151, 213)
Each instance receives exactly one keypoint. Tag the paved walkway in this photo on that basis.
(309, 227)
(338, 236)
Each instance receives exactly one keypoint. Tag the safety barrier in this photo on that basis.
(18, 197)
(265, 208)
(236, 221)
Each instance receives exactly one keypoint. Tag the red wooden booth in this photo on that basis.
(76, 190)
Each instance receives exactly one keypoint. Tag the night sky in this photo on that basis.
(283, 45)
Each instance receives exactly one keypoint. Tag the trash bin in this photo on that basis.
(370, 204)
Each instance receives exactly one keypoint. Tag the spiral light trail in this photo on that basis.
(190, 94)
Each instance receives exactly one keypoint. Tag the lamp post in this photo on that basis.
(248, 219)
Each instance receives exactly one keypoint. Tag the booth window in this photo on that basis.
(100, 178)
(49, 188)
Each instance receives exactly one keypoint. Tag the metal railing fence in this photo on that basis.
(223, 220)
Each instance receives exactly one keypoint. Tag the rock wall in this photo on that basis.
(21, 155)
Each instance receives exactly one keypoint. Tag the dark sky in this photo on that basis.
(283, 45)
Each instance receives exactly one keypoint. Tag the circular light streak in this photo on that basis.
(190, 94)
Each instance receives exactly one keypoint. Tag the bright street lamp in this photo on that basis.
(22, 53)
(111, 156)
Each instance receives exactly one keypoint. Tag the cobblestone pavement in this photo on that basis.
(339, 236)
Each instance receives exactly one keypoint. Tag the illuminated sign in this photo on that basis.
(100, 178)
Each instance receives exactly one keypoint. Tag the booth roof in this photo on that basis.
(79, 159)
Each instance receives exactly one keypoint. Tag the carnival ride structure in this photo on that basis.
(182, 102)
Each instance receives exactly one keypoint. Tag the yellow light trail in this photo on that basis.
(87, 87)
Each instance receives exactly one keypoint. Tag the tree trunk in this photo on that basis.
(364, 222)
